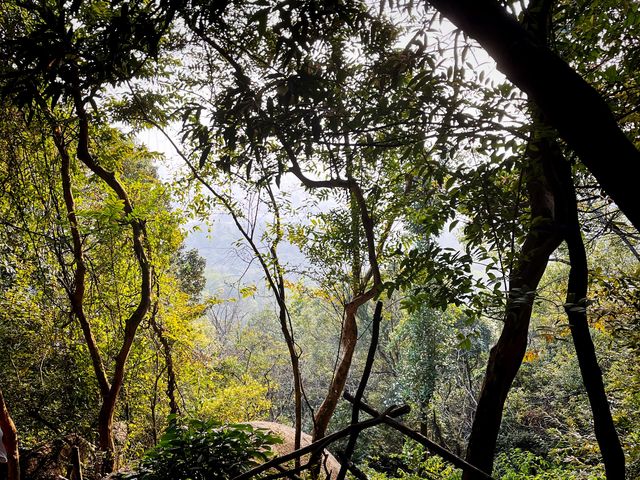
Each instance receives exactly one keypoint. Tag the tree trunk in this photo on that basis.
(105, 433)
(76, 464)
(570, 104)
(295, 368)
(172, 384)
(506, 356)
(349, 333)
(10, 440)
(138, 236)
(548, 212)
(576, 308)
(349, 336)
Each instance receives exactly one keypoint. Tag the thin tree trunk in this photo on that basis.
(295, 366)
(364, 379)
(76, 469)
(576, 309)
(348, 342)
(10, 440)
(105, 418)
(172, 385)
(109, 391)
(277, 284)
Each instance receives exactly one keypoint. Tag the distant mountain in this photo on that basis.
(230, 262)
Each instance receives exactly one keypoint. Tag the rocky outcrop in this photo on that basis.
(330, 465)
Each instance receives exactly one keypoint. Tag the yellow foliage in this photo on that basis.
(239, 402)
(299, 288)
(531, 356)
(248, 291)
(600, 324)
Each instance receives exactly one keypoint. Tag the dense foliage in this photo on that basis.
(199, 450)
(317, 157)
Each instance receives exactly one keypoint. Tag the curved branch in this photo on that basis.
(76, 295)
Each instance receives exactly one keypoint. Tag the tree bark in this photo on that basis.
(552, 198)
(10, 440)
(105, 418)
(576, 309)
(77, 290)
(76, 464)
(349, 338)
(570, 104)
(506, 356)
(108, 391)
(172, 384)
(364, 379)
(106, 442)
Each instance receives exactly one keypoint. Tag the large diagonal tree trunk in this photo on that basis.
(569, 103)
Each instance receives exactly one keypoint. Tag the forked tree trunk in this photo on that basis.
(554, 175)
(349, 333)
(109, 391)
(506, 356)
(10, 440)
(541, 241)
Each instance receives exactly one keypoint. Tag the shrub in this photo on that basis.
(517, 464)
(199, 450)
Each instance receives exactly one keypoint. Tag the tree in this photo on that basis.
(59, 66)
(569, 103)
(391, 131)
(554, 210)
(315, 117)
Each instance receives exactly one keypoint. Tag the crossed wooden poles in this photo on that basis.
(353, 430)
(387, 417)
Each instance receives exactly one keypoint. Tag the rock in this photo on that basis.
(330, 465)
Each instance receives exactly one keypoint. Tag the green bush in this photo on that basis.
(518, 464)
(514, 464)
(199, 450)
(416, 464)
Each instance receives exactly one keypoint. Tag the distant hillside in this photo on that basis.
(230, 263)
